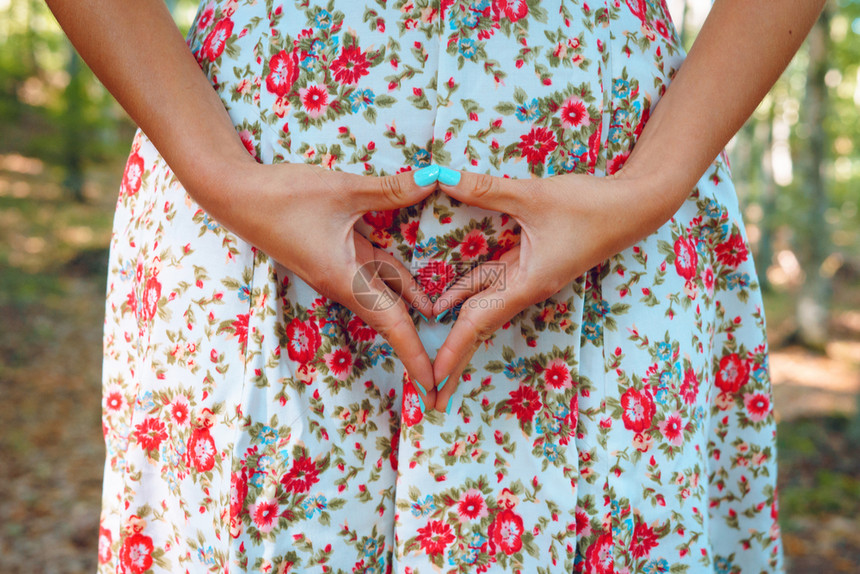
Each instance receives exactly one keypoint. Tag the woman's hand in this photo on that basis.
(304, 217)
(569, 223)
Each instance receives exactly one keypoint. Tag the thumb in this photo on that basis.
(387, 192)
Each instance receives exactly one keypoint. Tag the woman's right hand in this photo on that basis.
(304, 217)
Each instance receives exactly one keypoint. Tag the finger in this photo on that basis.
(490, 192)
(385, 312)
(478, 279)
(388, 192)
(399, 280)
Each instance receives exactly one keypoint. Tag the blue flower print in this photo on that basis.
(467, 48)
(656, 566)
(516, 368)
(360, 99)
(592, 330)
(426, 249)
(601, 308)
(550, 451)
(207, 556)
(664, 351)
(323, 19)
(528, 111)
(380, 351)
(421, 158)
(620, 88)
(723, 566)
(268, 435)
(737, 279)
(423, 507)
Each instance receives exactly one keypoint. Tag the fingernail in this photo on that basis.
(426, 175)
(421, 402)
(422, 316)
(450, 402)
(419, 388)
(448, 176)
(442, 314)
(442, 383)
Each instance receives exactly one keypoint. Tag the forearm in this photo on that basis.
(740, 52)
(138, 53)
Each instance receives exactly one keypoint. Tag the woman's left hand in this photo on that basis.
(569, 223)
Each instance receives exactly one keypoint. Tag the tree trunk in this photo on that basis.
(814, 298)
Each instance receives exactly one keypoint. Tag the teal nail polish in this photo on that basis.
(421, 402)
(442, 314)
(426, 175)
(450, 402)
(420, 389)
(422, 316)
(448, 176)
(441, 383)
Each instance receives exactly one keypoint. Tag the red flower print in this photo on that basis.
(179, 410)
(557, 375)
(513, 9)
(240, 328)
(314, 100)
(505, 532)
(410, 232)
(473, 245)
(135, 556)
(381, 219)
(638, 8)
(434, 537)
(733, 251)
(248, 141)
(350, 65)
(583, 524)
(264, 514)
(132, 177)
(150, 433)
(283, 72)
(598, 557)
(238, 491)
(690, 387)
(686, 257)
(412, 413)
(757, 406)
(303, 340)
(733, 373)
(113, 398)
(205, 17)
(216, 41)
(643, 541)
(105, 540)
(672, 429)
(339, 362)
(359, 330)
(201, 449)
(524, 403)
(535, 145)
(471, 505)
(616, 163)
(435, 276)
(151, 296)
(574, 113)
(594, 146)
(301, 476)
(638, 410)
(661, 28)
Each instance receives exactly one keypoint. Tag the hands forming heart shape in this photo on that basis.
(569, 223)
(305, 217)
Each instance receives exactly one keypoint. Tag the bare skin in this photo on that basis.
(740, 52)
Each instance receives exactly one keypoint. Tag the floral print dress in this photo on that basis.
(623, 425)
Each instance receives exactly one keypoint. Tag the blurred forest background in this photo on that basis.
(63, 143)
